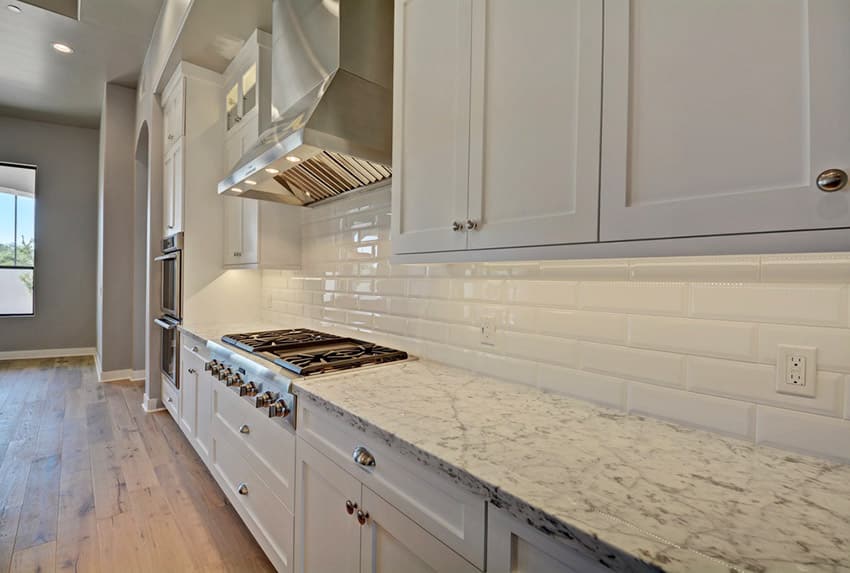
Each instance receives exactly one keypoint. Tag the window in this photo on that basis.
(17, 239)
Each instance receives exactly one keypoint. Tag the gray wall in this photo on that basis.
(116, 236)
(65, 234)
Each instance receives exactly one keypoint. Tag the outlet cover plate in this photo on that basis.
(796, 370)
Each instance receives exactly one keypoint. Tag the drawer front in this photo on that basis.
(171, 399)
(268, 446)
(451, 514)
(264, 514)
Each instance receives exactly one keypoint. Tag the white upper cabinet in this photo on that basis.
(719, 115)
(431, 124)
(173, 112)
(247, 95)
(534, 150)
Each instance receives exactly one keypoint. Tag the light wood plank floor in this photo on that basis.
(89, 482)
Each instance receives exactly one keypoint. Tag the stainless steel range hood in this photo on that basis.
(331, 128)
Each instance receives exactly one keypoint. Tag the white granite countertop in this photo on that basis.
(633, 492)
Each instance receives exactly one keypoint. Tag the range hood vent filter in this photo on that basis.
(329, 174)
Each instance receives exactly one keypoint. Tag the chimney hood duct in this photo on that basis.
(331, 129)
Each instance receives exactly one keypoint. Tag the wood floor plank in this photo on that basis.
(77, 547)
(9, 518)
(40, 510)
(109, 485)
(169, 550)
(89, 482)
(38, 559)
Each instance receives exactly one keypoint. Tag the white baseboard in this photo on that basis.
(46, 353)
(114, 375)
(152, 404)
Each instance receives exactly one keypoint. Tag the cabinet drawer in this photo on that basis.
(170, 399)
(267, 446)
(451, 514)
(264, 514)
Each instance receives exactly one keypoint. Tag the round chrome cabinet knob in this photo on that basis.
(362, 516)
(457, 226)
(244, 429)
(363, 457)
(242, 488)
(350, 506)
(832, 180)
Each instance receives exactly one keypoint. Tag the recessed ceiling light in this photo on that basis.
(15, 9)
(236, 189)
(272, 170)
(250, 182)
(62, 48)
(293, 158)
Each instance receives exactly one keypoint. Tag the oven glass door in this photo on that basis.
(171, 283)
(169, 350)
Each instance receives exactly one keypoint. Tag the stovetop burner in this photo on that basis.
(305, 352)
(275, 339)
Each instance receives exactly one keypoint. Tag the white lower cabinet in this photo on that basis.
(194, 405)
(368, 533)
(516, 547)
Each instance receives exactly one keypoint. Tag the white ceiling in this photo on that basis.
(109, 42)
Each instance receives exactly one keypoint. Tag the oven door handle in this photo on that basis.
(163, 324)
(166, 257)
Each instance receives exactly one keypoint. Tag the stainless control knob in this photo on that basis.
(265, 399)
(832, 180)
(210, 365)
(249, 389)
(363, 457)
(235, 380)
(224, 373)
(279, 409)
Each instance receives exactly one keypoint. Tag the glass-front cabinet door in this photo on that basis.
(249, 90)
(232, 106)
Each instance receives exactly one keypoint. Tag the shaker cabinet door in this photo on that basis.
(431, 124)
(536, 99)
(719, 115)
(391, 542)
(327, 537)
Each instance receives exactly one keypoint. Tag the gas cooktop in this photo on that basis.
(305, 352)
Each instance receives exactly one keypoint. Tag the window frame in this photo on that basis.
(15, 238)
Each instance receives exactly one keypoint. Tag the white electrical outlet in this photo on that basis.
(488, 331)
(796, 370)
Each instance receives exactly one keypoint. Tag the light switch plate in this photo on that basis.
(796, 370)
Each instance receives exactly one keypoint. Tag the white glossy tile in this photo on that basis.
(449, 311)
(402, 306)
(389, 323)
(373, 303)
(429, 288)
(472, 289)
(550, 349)
(696, 269)
(506, 368)
(694, 336)
(361, 286)
(847, 397)
(634, 364)
(541, 293)
(390, 287)
(583, 325)
(641, 298)
(807, 433)
(427, 329)
(466, 336)
(597, 388)
(806, 268)
(359, 319)
(718, 414)
(784, 304)
(833, 344)
(757, 383)
(586, 270)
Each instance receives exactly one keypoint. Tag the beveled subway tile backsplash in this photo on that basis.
(690, 339)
